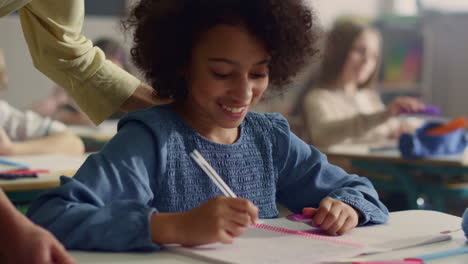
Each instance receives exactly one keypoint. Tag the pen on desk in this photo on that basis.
(214, 176)
(28, 172)
(379, 262)
(441, 254)
(391, 262)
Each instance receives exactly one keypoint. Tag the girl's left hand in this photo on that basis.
(333, 216)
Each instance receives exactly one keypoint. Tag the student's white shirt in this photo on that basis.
(26, 125)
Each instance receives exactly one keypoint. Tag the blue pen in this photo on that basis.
(441, 254)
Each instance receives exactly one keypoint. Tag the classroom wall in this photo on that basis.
(445, 80)
(327, 11)
(26, 83)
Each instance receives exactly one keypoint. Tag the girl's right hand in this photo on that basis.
(220, 219)
(404, 104)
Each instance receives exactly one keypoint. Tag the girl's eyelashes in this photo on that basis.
(220, 75)
(227, 75)
(259, 75)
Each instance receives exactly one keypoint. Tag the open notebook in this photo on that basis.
(282, 241)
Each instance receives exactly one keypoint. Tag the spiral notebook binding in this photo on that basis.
(308, 235)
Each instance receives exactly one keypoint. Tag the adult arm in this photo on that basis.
(9, 6)
(52, 29)
(24, 242)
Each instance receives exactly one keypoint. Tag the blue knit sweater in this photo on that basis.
(146, 168)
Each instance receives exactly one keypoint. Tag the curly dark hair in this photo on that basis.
(165, 32)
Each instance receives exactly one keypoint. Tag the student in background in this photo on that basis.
(343, 106)
(143, 190)
(24, 242)
(28, 133)
(61, 107)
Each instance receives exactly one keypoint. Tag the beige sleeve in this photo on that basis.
(52, 29)
(324, 129)
(9, 6)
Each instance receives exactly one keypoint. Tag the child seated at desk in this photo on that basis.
(143, 190)
(26, 132)
(344, 106)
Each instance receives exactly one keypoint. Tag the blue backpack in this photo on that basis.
(421, 145)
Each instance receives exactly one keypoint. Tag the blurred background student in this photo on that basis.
(343, 105)
(61, 107)
(28, 133)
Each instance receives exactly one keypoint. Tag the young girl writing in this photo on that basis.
(343, 106)
(215, 59)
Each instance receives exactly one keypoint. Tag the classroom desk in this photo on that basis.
(402, 225)
(401, 173)
(363, 151)
(95, 137)
(24, 190)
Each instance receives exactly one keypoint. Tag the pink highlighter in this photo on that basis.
(306, 219)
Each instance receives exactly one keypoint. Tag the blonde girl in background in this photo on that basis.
(344, 106)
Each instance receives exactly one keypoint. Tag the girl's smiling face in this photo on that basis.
(227, 75)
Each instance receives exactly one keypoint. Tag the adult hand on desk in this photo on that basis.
(220, 219)
(333, 216)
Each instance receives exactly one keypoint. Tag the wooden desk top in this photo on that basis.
(363, 152)
(58, 165)
(43, 182)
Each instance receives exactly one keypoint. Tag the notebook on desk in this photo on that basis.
(284, 241)
(277, 242)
